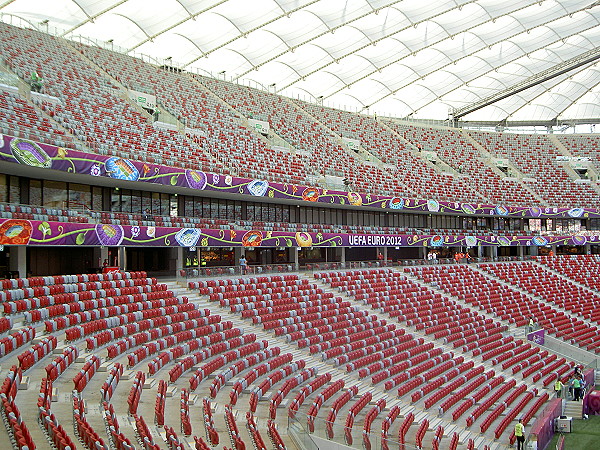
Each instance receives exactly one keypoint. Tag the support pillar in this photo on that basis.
(385, 254)
(296, 258)
(122, 256)
(343, 256)
(494, 252)
(103, 256)
(18, 260)
(180, 261)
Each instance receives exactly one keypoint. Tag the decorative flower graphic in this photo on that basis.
(135, 231)
(95, 171)
(151, 231)
(228, 180)
(215, 178)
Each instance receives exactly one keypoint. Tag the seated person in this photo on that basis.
(36, 81)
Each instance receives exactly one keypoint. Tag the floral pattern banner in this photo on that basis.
(30, 153)
(37, 232)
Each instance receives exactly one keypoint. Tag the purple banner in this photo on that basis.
(23, 151)
(537, 336)
(38, 232)
(542, 429)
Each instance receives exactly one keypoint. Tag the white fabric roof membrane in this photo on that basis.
(398, 57)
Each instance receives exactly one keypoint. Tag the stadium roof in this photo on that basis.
(484, 60)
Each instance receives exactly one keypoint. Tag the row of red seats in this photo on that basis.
(86, 373)
(443, 392)
(168, 339)
(88, 328)
(477, 396)
(117, 438)
(274, 435)
(184, 412)
(381, 359)
(322, 397)
(421, 433)
(209, 423)
(249, 280)
(301, 330)
(305, 391)
(108, 387)
(445, 373)
(159, 406)
(71, 307)
(29, 357)
(234, 434)
(257, 440)
(232, 355)
(11, 416)
(273, 378)
(133, 399)
(55, 293)
(464, 391)
(300, 304)
(285, 389)
(495, 413)
(510, 416)
(17, 283)
(239, 366)
(487, 403)
(355, 409)
(345, 352)
(387, 424)
(69, 320)
(339, 336)
(337, 405)
(530, 413)
(406, 424)
(5, 324)
(184, 331)
(369, 419)
(62, 362)
(83, 430)
(439, 434)
(53, 430)
(219, 342)
(143, 434)
(175, 318)
(175, 352)
(16, 340)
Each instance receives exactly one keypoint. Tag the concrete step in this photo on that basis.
(574, 409)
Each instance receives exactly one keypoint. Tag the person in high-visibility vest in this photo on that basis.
(520, 435)
(558, 387)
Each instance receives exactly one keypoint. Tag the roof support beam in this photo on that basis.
(92, 18)
(559, 69)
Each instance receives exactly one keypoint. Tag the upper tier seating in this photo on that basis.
(225, 139)
(90, 106)
(455, 150)
(391, 148)
(320, 152)
(535, 157)
(20, 119)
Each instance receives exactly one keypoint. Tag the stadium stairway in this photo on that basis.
(573, 409)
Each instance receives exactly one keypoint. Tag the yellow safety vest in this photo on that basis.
(519, 429)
